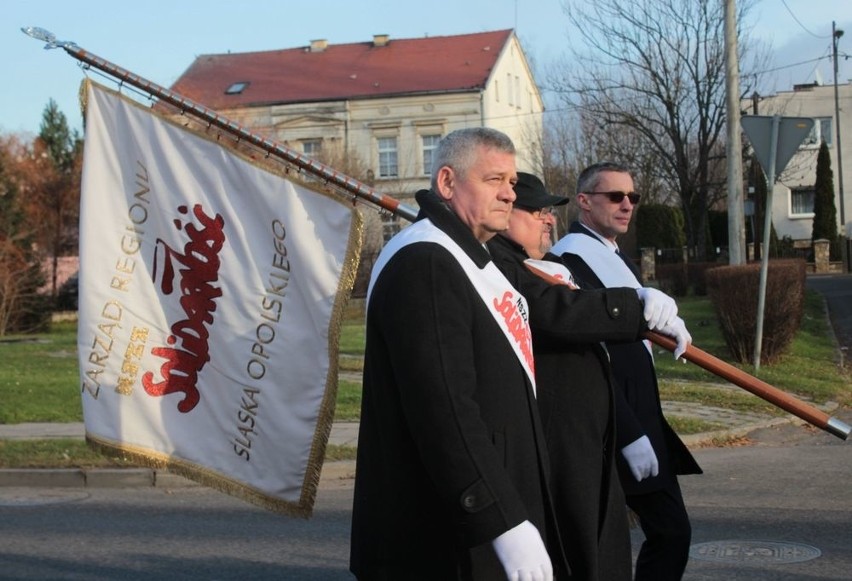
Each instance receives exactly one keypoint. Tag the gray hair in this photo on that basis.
(458, 149)
(590, 177)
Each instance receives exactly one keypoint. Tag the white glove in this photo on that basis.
(641, 458)
(660, 308)
(522, 554)
(676, 329)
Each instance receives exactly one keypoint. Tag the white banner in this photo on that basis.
(211, 296)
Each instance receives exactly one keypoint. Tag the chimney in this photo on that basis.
(381, 39)
(319, 45)
(805, 87)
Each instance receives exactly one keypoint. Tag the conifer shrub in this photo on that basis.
(659, 226)
(734, 292)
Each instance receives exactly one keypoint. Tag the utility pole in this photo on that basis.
(736, 208)
(835, 38)
(759, 184)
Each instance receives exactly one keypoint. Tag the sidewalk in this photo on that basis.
(342, 434)
(735, 424)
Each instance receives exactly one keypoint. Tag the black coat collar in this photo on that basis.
(504, 243)
(432, 207)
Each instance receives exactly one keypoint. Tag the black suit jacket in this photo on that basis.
(638, 408)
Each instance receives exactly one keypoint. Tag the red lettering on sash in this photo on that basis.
(517, 325)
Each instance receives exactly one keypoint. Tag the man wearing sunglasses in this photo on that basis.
(575, 391)
(651, 455)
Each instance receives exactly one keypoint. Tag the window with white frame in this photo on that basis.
(802, 201)
(821, 131)
(429, 143)
(387, 150)
(509, 99)
(312, 147)
(825, 129)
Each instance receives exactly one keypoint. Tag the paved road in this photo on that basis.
(757, 506)
(760, 507)
(149, 534)
(837, 290)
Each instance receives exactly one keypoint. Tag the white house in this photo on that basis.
(793, 196)
(375, 110)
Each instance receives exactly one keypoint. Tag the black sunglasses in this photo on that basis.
(618, 197)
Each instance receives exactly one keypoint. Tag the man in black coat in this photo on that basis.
(575, 392)
(452, 472)
(651, 455)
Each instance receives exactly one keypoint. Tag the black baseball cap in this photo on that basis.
(531, 193)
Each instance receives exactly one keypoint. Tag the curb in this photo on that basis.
(332, 472)
(343, 434)
(703, 439)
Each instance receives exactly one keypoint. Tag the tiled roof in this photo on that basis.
(344, 71)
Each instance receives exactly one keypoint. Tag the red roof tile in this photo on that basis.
(344, 71)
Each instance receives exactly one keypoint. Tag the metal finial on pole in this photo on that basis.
(45, 35)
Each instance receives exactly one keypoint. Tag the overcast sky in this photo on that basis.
(159, 39)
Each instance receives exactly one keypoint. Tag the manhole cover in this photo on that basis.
(24, 497)
(757, 552)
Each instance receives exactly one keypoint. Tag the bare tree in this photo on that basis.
(571, 141)
(651, 75)
(20, 266)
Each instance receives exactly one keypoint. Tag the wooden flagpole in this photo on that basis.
(739, 378)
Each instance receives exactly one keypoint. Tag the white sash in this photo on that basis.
(604, 262)
(506, 305)
(555, 270)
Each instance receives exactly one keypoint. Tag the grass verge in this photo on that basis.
(809, 370)
(39, 382)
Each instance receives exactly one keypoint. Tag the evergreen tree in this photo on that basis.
(825, 212)
(660, 226)
(59, 197)
(760, 191)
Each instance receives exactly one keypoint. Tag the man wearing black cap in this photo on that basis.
(575, 394)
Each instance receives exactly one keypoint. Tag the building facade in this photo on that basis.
(376, 110)
(793, 195)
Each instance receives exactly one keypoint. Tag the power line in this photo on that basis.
(784, 2)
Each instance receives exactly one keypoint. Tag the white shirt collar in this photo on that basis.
(608, 243)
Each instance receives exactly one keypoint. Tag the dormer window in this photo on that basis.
(237, 88)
